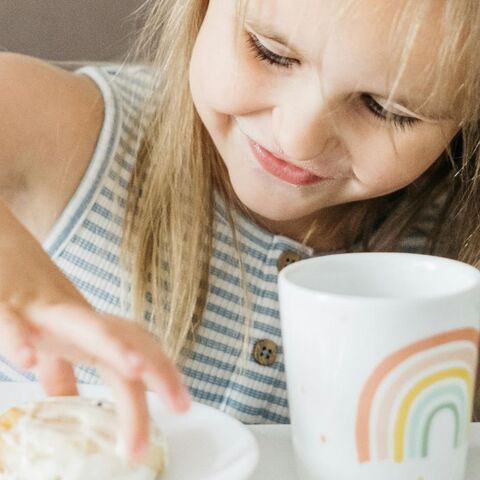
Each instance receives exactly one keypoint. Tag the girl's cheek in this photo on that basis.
(231, 88)
(224, 76)
(380, 168)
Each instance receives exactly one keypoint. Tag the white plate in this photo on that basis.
(203, 444)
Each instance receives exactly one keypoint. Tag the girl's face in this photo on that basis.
(315, 105)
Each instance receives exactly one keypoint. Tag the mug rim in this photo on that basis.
(284, 277)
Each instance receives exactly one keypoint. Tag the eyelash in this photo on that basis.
(378, 111)
(265, 55)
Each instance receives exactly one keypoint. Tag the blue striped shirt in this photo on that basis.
(85, 243)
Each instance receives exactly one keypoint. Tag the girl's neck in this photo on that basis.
(323, 231)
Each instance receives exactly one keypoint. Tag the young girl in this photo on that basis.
(239, 137)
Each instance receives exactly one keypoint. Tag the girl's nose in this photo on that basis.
(305, 130)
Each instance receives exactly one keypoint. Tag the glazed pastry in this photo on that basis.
(70, 438)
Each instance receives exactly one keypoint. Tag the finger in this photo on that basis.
(160, 374)
(164, 379)
(56, 376)
(98, 337)
(112, 341)
(15, 340)
(132, 412)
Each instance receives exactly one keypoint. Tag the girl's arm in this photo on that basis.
(48, 129)
(49, 124)
(45, 323)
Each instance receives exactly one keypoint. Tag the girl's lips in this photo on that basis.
(281, 169)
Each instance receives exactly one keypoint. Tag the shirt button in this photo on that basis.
(265, 352)
(286, 258)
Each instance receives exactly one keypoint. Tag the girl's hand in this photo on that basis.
(45, 323)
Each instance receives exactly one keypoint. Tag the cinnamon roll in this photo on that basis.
(71, 438)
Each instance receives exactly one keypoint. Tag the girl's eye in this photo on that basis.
(264, 54)
(379, 112)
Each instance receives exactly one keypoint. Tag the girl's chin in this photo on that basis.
(264, 208)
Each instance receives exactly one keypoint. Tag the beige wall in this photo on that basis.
(99, 30)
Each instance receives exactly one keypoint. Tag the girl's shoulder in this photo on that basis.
(48, 129)
(96, 207)
(63, 121)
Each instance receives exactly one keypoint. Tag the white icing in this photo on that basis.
(71, 438)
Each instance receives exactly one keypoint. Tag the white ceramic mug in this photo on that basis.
(381, 359)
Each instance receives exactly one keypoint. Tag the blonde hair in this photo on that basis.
(169, 224)
(167, 250)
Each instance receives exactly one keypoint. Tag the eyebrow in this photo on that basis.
(414, 105)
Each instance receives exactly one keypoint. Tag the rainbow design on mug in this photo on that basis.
(409, 388)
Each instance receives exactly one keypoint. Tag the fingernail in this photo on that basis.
(139, 451)
(132, 453)
(183, 401)
(135, 362)
(26, 356)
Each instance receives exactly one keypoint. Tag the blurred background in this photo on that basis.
(69, 30)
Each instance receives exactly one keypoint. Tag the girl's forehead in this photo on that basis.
(312, 24)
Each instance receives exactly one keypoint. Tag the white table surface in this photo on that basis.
(276, 456)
